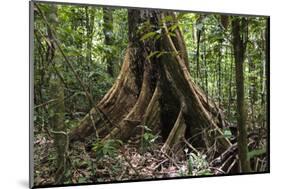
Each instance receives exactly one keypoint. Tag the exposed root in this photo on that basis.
(136, 115)
(152, 114)
(127, 106)
(176, 133)
(123, 93)
(191, 93)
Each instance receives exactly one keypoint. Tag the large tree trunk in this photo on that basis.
(156, 91)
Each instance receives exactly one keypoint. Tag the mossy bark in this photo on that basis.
(58, 128)
(57, 109)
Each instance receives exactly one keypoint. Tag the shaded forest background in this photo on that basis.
(78, 54)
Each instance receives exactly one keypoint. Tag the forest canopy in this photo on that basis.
(128, 94)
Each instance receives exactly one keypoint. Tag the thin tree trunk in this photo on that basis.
(252, 90)
(265, 79)
(108, 38)
(90, 18)
(239, 46)
(267, 59)
(219, 71)
(58, 128)
(57, 110)
(230, 85)
(205, 64)
(198, 37)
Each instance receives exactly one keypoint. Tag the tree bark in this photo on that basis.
(90, 19)
(198, 37)
(265, 70)
(239, 46)
(155, 91)
(108, 38)
(57, 109)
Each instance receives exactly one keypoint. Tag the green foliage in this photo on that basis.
(148, 35)
(82, 39)
(226, 134)
(148, 138)
(106, 148)
(256, 152)
(214, 72)
(197, 165)
(82, 180)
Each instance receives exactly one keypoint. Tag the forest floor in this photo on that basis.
(130, 162)
(140, 158)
